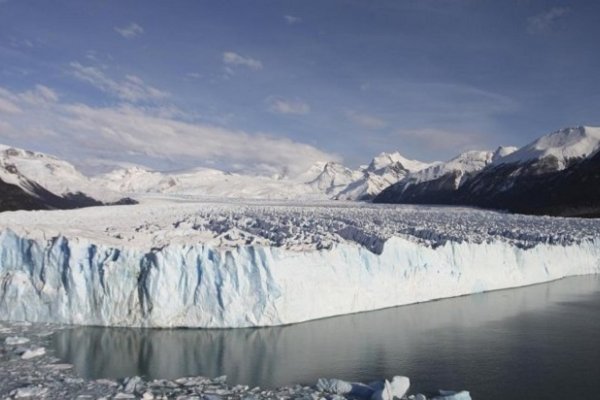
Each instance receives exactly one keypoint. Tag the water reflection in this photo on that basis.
(473, 342)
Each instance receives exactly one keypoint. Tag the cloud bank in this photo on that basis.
(129, 131)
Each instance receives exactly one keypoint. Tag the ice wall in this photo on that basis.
(75, 281)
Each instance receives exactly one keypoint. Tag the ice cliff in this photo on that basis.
(84, 279)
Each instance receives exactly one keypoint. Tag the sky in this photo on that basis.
(273, 86)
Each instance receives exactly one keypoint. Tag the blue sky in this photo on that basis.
(280, 84)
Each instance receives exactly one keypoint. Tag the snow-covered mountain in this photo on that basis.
(333, 177)
(441, 179)
(57, 176)
(323, 180)
(384, 160)
(459, 166)
(205, 182)
(33, 180)
(563, 147)
(482, 178)
(515, 180)
(383, 171)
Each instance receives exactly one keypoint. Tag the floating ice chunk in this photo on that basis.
(32, 353)
(386, 390)
(58, 367)
(33, 392)
(338, 386)
(399, 386)
(15, 340)
(148, 396)
(452, 395)
(122, 395)
(132, 384)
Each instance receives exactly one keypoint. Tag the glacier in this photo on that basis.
(85, 279)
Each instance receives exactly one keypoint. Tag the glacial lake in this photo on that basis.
(536, 342)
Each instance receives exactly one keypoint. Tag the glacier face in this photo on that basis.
(77, 281)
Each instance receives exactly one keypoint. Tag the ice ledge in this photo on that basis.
(76, 281)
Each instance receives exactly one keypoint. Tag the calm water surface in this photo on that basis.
(530, 343)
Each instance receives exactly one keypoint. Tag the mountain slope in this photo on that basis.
(437, 183)
(14, 197)
(384, 170)
(573, 191)
(556, 174)
(563, 145)
(323, 180)
(36, 181)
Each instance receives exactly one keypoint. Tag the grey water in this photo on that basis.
(535, 342)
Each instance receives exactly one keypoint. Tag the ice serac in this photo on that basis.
(76, 281)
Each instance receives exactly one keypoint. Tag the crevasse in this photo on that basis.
(75, 281)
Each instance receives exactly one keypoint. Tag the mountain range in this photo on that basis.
(557, 174)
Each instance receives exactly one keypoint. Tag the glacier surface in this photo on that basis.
(247, 265)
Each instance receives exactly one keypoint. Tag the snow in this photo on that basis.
(384, 170)
(18, 166)
(503, 151)
(205, 182)
(323, 180)
(467, 162)
(564, 144)
(385, 159)
(333, 178)
(370, 185)
(242, 264)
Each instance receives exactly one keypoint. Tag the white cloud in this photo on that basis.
(8, 107)
(366, 121)
(40, 95)
(233, 59)
(280, 105)
(544, 22)
(130, 31)
(291, 20)
(132, 88)
(152, 136)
